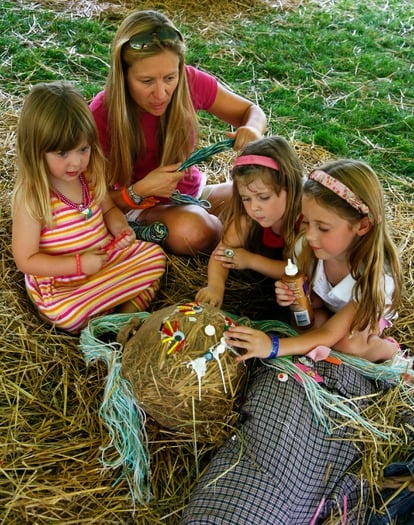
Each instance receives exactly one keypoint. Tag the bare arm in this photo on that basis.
(258, 344)
(160, 182)
(247, 117)
(217, 272)
(30, 260)
(217, 275)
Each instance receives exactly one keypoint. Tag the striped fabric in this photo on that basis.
(68, 301)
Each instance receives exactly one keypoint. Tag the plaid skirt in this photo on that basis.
(283, 466)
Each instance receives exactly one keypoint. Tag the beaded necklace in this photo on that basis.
(83, 208)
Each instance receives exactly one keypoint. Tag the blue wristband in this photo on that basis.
(275, 347)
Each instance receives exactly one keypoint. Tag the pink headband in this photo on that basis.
(258, 160)
(340, 189)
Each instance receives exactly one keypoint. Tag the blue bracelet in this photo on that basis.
(275, 347)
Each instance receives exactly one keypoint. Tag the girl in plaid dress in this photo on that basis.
(79, 256)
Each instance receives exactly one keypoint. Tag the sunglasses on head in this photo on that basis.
(164, 35)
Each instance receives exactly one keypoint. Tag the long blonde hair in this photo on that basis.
(370, 255)
(178, 126)
(55, 117)
(289, 177)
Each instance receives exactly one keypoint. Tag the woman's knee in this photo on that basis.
(191, 234)
(219, 196)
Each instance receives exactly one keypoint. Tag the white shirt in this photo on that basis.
(336, 297)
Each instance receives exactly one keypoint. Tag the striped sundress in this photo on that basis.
(68, 301)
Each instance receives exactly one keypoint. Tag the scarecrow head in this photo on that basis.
(182, 372)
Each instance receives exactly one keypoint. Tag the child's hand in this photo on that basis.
(121, 240)
(210, 295)
(255, 342)
(284, 295)
(92, 262)
(232, 258)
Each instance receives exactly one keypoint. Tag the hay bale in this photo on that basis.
(182, 372)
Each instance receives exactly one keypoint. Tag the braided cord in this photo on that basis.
(154, 232)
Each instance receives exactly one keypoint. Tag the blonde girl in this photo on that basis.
(353, 266)
(263, 217)
(79, 256)
(147, 123)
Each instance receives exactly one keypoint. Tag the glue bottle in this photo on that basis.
(301, 308)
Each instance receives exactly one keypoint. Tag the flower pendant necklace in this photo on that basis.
(83, 208)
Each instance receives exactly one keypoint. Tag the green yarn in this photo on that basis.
(153, 232)
(206, 152)
(323, 402)
(119, 411)
(183, 198)
(391, 370)
(283, 329)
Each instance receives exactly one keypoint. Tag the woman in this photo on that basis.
(147, 123)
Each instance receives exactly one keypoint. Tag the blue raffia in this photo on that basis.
(183, 198)
(119, 410)
(391, 370)
(323, 402)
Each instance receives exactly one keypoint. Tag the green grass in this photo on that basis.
(339, 76)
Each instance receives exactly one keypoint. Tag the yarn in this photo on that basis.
(206, 152)
(154, 232)
(122, 415)
(183, 198)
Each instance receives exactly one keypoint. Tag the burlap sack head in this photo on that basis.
(182, 372)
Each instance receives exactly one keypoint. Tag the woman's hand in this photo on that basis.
(255, 342)
(160, 182)
(243, 135)
(284, 295)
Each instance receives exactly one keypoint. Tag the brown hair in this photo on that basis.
(289, 177)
